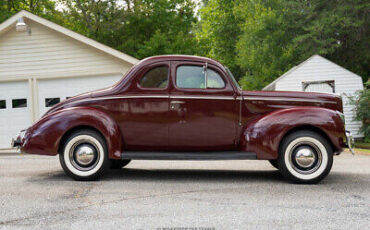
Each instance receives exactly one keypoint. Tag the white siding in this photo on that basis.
(49, 53)
(50, 88)
(12, 120)
(320, 69)
(47, 64)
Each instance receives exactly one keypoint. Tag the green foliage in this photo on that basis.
(362, 108)
(140, 28)
(258, 40)
(218, 32)
(263, 39)
(43, 8)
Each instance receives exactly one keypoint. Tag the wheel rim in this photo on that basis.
(84, 155)
(305, 157)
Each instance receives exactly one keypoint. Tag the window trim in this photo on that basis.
(331, 83)
(149, 68)
(200, 65)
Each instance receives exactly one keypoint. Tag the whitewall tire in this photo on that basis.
(305, 157)
(84, 155)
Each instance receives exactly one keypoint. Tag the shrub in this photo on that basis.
(362, 109)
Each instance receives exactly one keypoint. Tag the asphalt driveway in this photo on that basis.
(36, 194)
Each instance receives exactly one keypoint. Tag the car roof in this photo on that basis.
(179, 58)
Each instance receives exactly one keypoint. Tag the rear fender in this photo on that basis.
(264, 134)
(45, 136)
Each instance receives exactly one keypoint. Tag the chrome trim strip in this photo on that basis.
(287, 99)
(213, 98)
(203, 97)
(163, 96)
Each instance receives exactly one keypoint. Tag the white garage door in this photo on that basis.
(53, 91)
(15, 112)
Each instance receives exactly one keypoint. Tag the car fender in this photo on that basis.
(46, 135)
(264, 134)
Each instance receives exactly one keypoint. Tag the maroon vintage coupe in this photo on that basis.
(189, 108)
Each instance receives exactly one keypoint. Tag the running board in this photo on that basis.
(225, 155)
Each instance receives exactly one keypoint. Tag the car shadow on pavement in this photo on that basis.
(205, 175)
(182, 175)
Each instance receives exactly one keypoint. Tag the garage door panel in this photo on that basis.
(69, 87)
(12, 120)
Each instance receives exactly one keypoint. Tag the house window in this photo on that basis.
(2, 104)
(19, 103)
(49, 102)
(319, 86)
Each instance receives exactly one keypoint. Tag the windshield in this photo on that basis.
(233, 78)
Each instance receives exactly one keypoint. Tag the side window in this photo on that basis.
(214, 80)
(155, 78)
(190, 77)
(193, 77)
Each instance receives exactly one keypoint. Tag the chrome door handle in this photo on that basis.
(174, 103)
(177, 102)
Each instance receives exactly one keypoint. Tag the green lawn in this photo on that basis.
(362, 145)
(360, 151)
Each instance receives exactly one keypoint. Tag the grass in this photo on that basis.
(359, 151)
(362, 145)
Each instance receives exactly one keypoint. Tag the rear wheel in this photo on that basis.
(305, 157)
(84, 155)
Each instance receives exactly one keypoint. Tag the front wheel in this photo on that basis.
(305, 157)
(84, 155)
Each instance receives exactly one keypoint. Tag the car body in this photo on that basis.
(186, 107)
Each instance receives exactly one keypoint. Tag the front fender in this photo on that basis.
(264, 134)
(44, 137)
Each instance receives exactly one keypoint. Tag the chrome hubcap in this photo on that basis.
(85, 154)
(305, 157)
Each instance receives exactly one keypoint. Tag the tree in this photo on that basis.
(263, 39)
(140, 28)
(218, 32)
(43, 8)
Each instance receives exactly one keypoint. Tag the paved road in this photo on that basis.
(35, 194)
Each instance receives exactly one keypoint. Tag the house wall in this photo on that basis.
(48, 64)
(321, 69)
(48, 54)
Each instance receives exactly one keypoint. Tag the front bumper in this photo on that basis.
(17, 140)
(350, 142)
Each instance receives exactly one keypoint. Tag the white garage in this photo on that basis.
(42, 63)
(318, 74)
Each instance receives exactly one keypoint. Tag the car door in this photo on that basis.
(145, 121)
(203, 108)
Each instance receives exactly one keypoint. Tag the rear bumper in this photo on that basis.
(350, 141)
